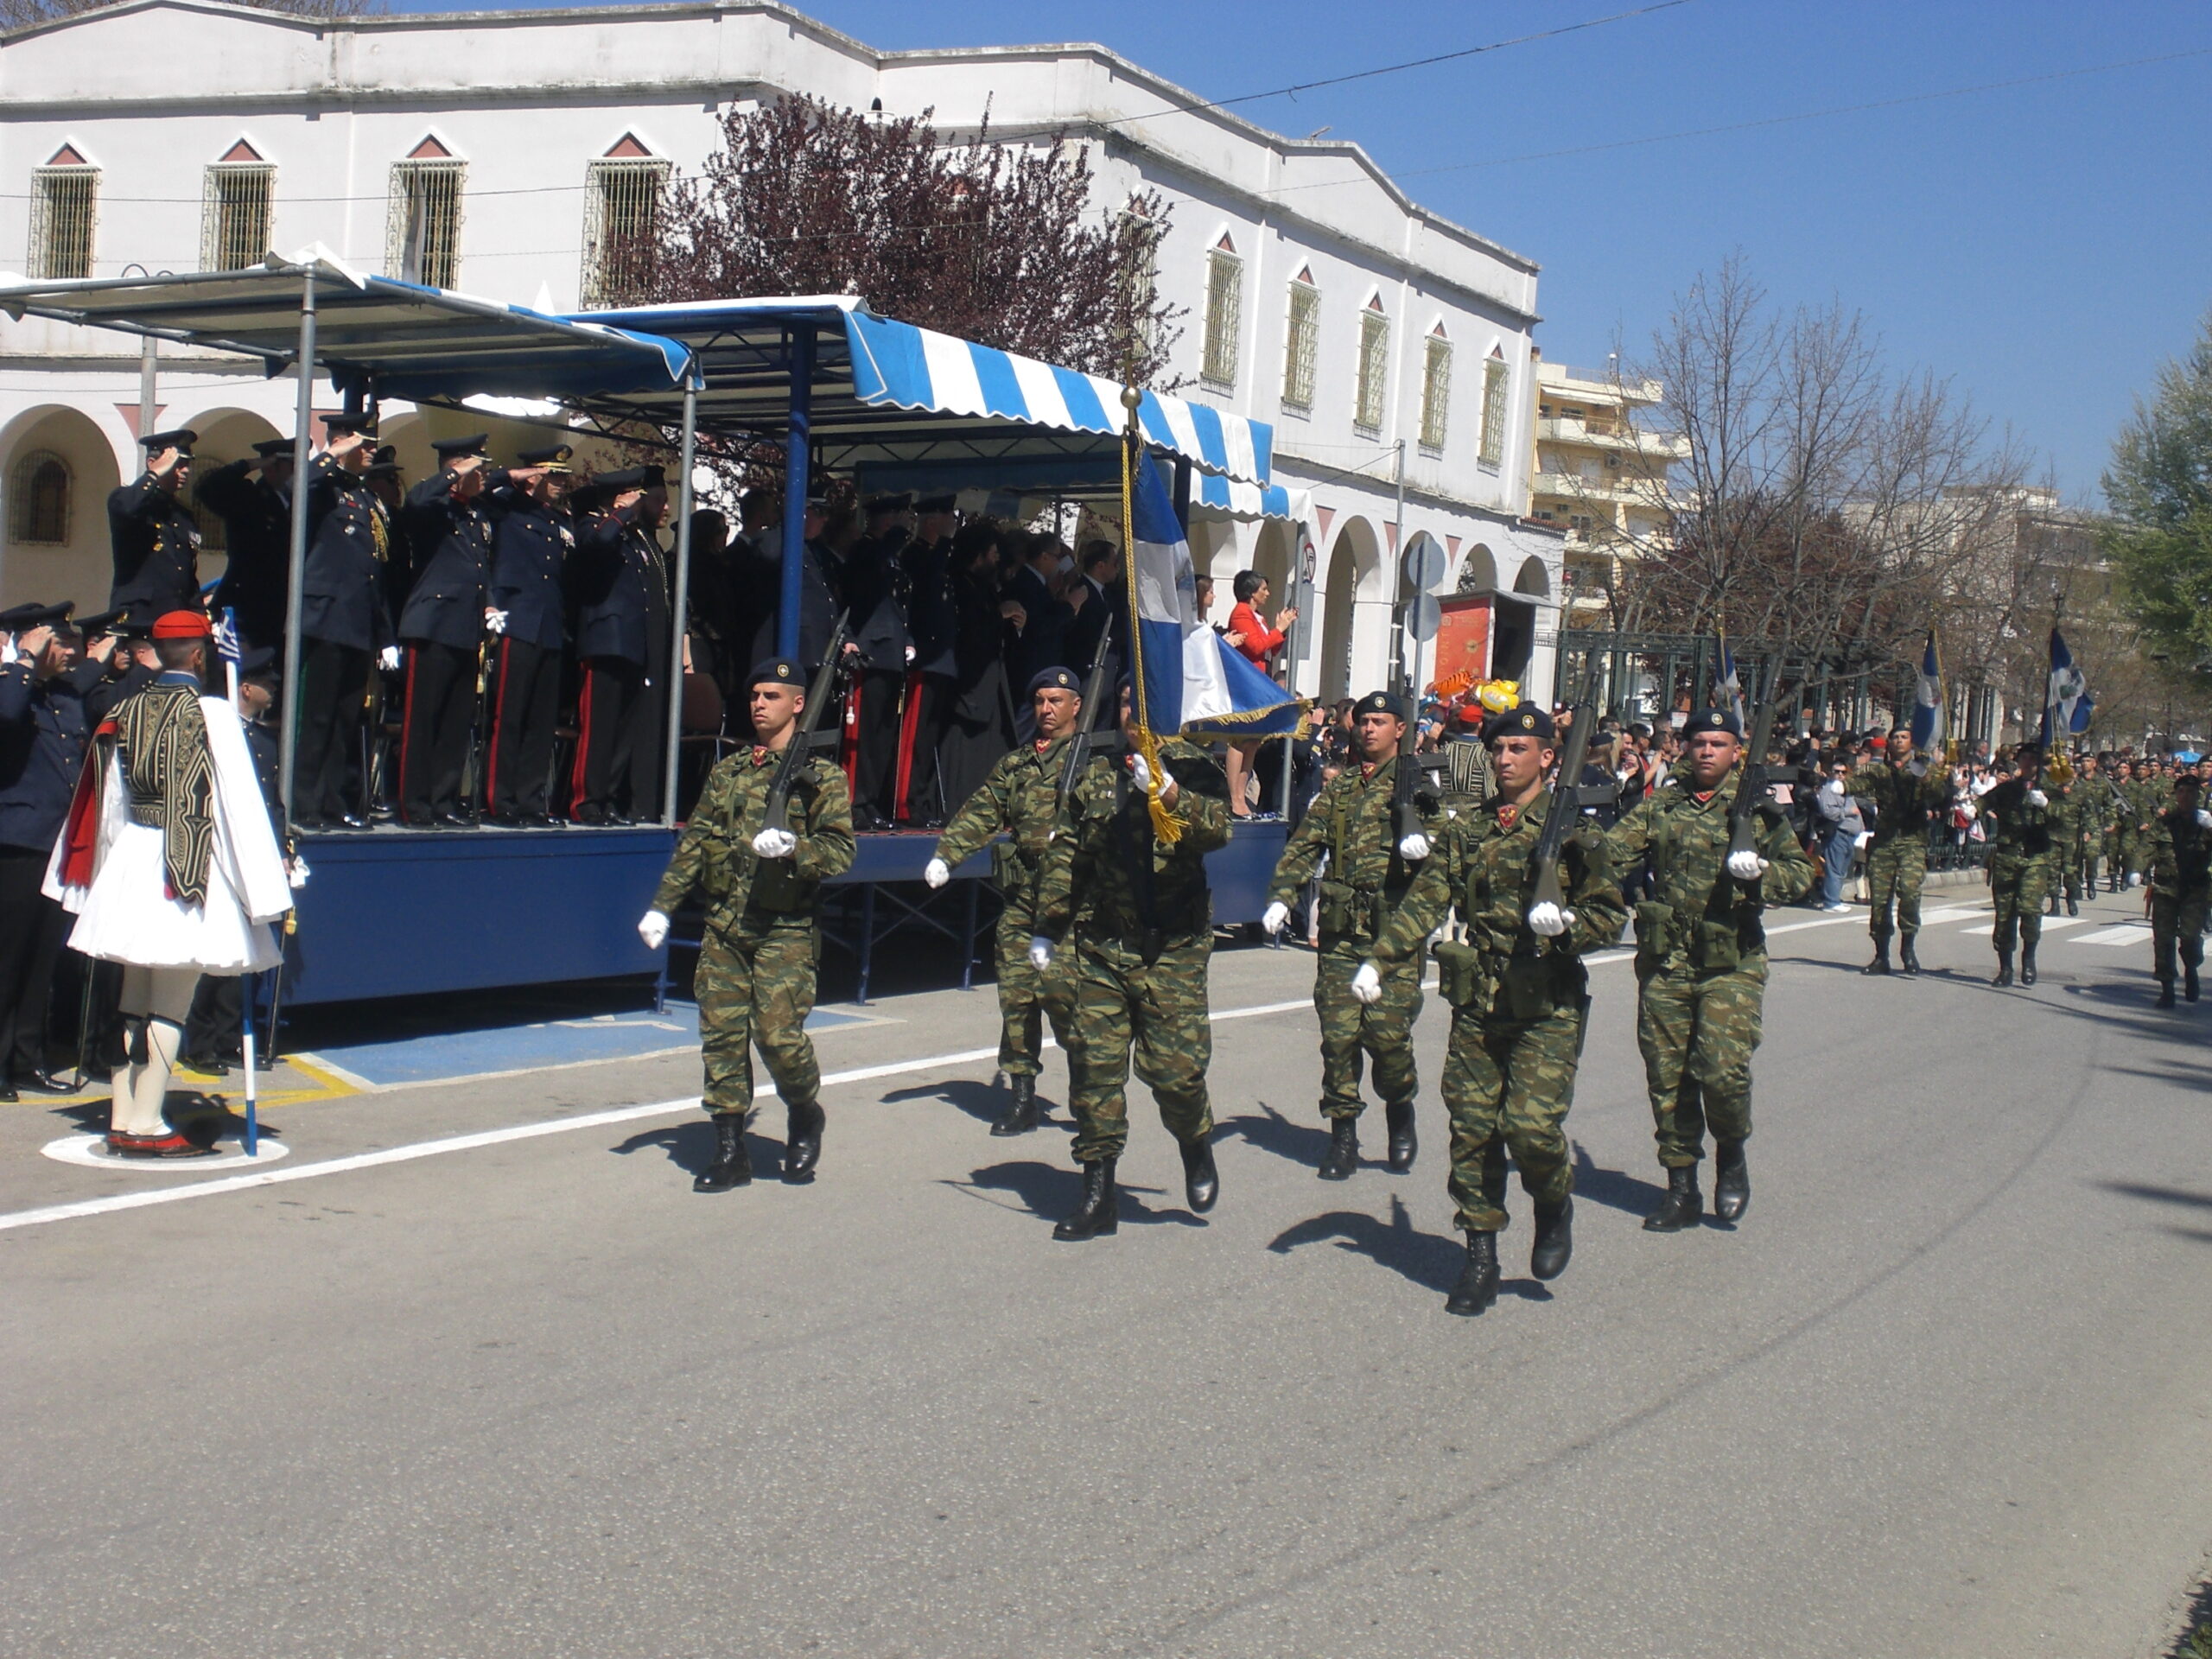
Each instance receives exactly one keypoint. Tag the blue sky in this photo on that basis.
(2044, 246)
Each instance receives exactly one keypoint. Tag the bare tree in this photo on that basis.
(22, 14)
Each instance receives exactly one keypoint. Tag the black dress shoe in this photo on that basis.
(1099, 1214)
(546, 821)
(1681, 1207)
(1201, 1182)
(1021, 1115)
(802, 1141)
(1732, 1181)
(45, 1082)
(1405, 1144)
(1476, 1290)
(869, 822)
(1555, 1241)
(590, 815)
(349, 821)
(310, 822)
(1342, 1158)
(454, 820)
(732, 1164)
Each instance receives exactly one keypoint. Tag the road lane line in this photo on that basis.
(2125, 933)
(2050, 924)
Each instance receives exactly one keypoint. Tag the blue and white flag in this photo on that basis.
(1728, 691)
(2068, 705)
(1928, 700)
(1192, 677)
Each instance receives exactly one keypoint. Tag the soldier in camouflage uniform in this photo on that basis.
(2181, 880)
(2144, 801)
(2103, 808)
(2016, 816)
(1351, 825)
(1700, 964)
(2069, 802)
(1908, 792)
(1518, 994)
(1021, 799)
(1137, 918)
(761, 888)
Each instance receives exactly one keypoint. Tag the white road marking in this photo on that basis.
(91, 1150)
(2050, 924)
(2125, 933)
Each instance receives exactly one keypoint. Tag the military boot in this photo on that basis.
(2028, 962)
(1908, 958)
(1554, 1242)
(1478, 1286)
(1021, 1115)
(1731, 1180)
(802, 1141)
(1682, 1206)
(1881, 963)
(1099, 1214)
(732, 1164)
(1201, 1182)
(2073, 905)
(1342, 1158)
(2004, 968)
(1405, 1145)
(2189, 982)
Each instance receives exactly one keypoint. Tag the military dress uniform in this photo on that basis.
(443, 629)
(1137, 914)
(1520, 1007)
(932, 677)
(2022, 859)
(1906, 799)
(1351, 825)
(343, 627)
(531, 546)
(756, 972)
(1701, 971)
(624, 623)
(877, 591)
(154, 538)
(257, 542)
(2181, 880)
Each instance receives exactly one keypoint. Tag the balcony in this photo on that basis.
(1657, 448)
(1598, 385)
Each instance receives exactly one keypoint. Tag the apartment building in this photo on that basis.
(1601, 475)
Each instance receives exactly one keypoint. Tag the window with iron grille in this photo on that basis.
(423, 227)
(65, 211)
(38, 500)
(1140, 279)
(1497, 385)
(1374, 371)
(234, 217)
(622, 199)
(1300, 345)
(1224, 318)
(1435, 393)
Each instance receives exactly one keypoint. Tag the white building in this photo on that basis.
(182, 135)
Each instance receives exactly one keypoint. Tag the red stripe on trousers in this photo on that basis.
(577, 772)
(407, 729)
(851, 758)
(498, 721)
(909, 721)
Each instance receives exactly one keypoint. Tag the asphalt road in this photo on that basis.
(1943, 1392)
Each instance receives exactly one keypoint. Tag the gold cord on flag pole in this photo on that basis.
(1166, 827)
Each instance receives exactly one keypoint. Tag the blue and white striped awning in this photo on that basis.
(1237, 499)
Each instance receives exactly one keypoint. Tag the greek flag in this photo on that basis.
(1193, 679)
(1928, 700)
(1728, 691)
(2068, 705)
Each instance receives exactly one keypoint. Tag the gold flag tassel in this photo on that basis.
(1166, 827)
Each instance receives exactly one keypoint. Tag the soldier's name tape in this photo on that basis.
(205, 1189)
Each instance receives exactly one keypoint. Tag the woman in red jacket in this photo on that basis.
(1252, 636)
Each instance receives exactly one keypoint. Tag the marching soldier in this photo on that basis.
(2145, 800)
(253, 498)
(2111, 820)
(2016, 816)
(531, 540)
(762, 889)
(2069, 804)
(1370, 869)
(1519, 996)
(1700, 964)
(345, 627)
(442, 628)
(1138, 916)
(156, 543)
(2181, 880)
(1021, 800)
(619, 584)
(1908, 792)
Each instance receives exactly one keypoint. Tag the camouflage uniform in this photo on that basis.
(758, 956)
(2105, 811)
(1020, 797)
(2144, 801)
(1520, 1004)
(2181, 880)
(1700, 959)
(1139, 956)
(2022, 859)
(2069, 804)
(1906, 803)
(1351, 820)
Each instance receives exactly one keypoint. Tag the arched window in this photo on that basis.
(38, 491)
(1224, 314)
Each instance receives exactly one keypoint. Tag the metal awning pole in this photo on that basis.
(681, 601)
(295, 578)
(147, 372)
(797, 453)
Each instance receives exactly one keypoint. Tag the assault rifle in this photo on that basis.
(1087, 740)
(810, 736)
(1751, 787)
(1570, 796)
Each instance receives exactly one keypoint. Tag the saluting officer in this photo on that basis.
(532, 541)
(253, 498)
(1519, 996)
(761, 888)
(933, 621)
(1700, 962)
(618, 584)
(1021, 799)
(1139, 916)
(2181, 882)
(156, 543)
(1370, 869)
(343, 627)
(2017, 817)
(443, 627)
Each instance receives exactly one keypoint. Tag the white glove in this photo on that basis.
(388, 659)
(2037, 798)
(1746, 867)
(1273, 919)
(938, 872)
(652, 928)
(1414, 848)
(295, 873)
(495, 621)
(775, 843)
(1367, 984)
(1548, 920)
(1040, 952)
(1140, 772)
(2203, 819)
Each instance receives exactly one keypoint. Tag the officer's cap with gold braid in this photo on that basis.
(777, 671)
(1714, 720)
(1523, 719)
(1054, 679)
(1378, 703)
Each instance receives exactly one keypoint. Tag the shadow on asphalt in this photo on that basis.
(690, 1147)
(1428, 1259)
(979, 1100)
(1300, 1143)
(1614, 1188)
(1050, 1191)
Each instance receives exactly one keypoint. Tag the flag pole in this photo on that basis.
(1164, 826)
(229, 646)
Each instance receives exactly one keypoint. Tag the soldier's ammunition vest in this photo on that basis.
(1724, 933)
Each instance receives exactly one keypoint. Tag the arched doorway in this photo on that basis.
(56, 469)
(1354, 559)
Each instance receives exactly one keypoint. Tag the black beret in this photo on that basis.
(1715, 720)
(274, 449)
(456, 448)
(344, 422)
(1054, 679)
(777, 671)
(22, 618)
(553, 455)
(1378, 703)
(181, 438)
(944, 503)
(1525, 720)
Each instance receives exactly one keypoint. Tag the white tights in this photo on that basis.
(162, 998)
